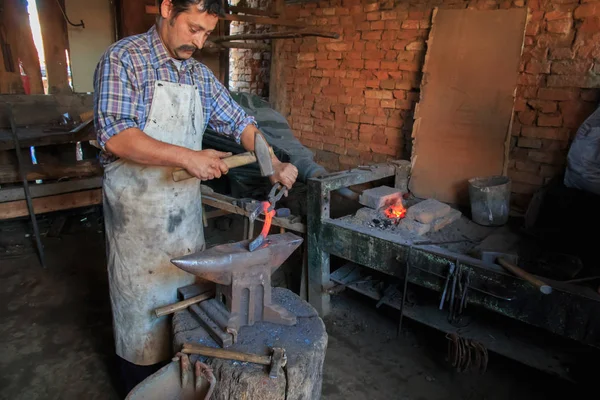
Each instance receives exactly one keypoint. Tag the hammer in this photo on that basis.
(274, 361)
(262, 154)
(508, 262)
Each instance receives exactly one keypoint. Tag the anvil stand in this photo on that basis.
(243, 285)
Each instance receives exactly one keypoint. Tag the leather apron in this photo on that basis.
(150, 219)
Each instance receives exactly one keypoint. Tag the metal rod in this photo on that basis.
(36, 231)
(406, 270)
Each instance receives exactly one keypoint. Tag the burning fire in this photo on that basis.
(395, 211)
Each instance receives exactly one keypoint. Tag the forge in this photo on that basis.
(424, 259)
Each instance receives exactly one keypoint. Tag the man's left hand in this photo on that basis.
(285, 173)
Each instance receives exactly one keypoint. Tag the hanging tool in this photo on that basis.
(23, 174)
(262, 154)
(277, 359)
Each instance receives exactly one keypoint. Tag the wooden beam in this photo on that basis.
(245, 18)
(235, 45)
(10, 174)
(55, 38)
(50, 189)
(274, 35)
(250, 11)
(39, 136)
(41, 205)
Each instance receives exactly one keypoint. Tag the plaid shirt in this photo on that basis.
(124, 87)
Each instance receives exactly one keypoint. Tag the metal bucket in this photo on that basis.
(490, 200)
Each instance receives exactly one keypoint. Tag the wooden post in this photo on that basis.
(56, 42)
(277, 81)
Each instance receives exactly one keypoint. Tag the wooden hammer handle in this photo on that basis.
(235, 161)
(191, 348)
(544, 288)
(232, 162)
(171, 308)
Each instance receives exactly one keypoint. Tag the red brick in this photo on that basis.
(548, 144)
(389, 15)
(527, 166)
(523, 188)
(520, 104)
(543, 105)
(414, 46)
(527, 117)
(369, 64)
(579, 67)
(575, 112)
(404, 104)
(547, 157)
(385, 149)
(373, 83)
(371, 7)
(393, 25)
(366, 119)
(374, 16)
(339, 46)
(378, 94)
(358, 64)
(390, 65)
(388, 84)
(529, 143)
(562, 26)
(410, 24)
(378, 26)
(590, 25)
(557, 94)
(388, 103)
(554, 15)
(545, 133)
(372, 35)
(399, 94)
(379, 120)
(328, 64)
(537, 67)
(388, 36)
(569, 81)
(587, 10)
(532, 28)
(548, 171)
(549, 120)
(526, 177)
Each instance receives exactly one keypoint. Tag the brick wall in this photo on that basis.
(352, 99)
(249, 69)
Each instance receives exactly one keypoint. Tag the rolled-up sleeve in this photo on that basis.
(115, 96)
(227, 117)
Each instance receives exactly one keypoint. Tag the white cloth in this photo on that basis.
(149, 220)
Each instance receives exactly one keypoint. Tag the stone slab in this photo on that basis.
(381, 196)
(428, 210)
(415, 227)
(441, 223)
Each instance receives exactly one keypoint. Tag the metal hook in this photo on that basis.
(67, 18)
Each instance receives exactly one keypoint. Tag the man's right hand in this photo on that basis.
(206, 164)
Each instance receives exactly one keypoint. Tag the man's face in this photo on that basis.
(187, 32)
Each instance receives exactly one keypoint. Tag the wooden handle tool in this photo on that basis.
(237, 160)
(171, 308)
(544, 287)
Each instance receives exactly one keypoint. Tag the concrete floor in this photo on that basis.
(56, 337)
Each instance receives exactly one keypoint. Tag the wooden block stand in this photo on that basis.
(305, 344)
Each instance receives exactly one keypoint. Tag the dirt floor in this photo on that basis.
(56, 336)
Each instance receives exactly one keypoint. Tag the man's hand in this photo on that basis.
(285, 173)
(206, 164)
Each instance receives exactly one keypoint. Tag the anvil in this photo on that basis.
(243, 281)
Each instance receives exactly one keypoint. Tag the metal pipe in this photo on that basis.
(36, 231)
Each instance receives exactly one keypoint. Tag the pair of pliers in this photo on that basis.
(276, 193)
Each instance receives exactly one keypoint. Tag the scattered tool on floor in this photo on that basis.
(278, 358)
(508, 262)
(262, 154)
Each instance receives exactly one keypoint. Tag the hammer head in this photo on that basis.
(263, 153)
(492, 256)
(278, 360)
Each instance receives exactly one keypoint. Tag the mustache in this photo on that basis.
(186, 47)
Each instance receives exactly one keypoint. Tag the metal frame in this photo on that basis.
(570, 311)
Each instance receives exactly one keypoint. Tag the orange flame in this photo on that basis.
(395, 211)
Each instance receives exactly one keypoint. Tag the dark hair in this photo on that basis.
(213, 7)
